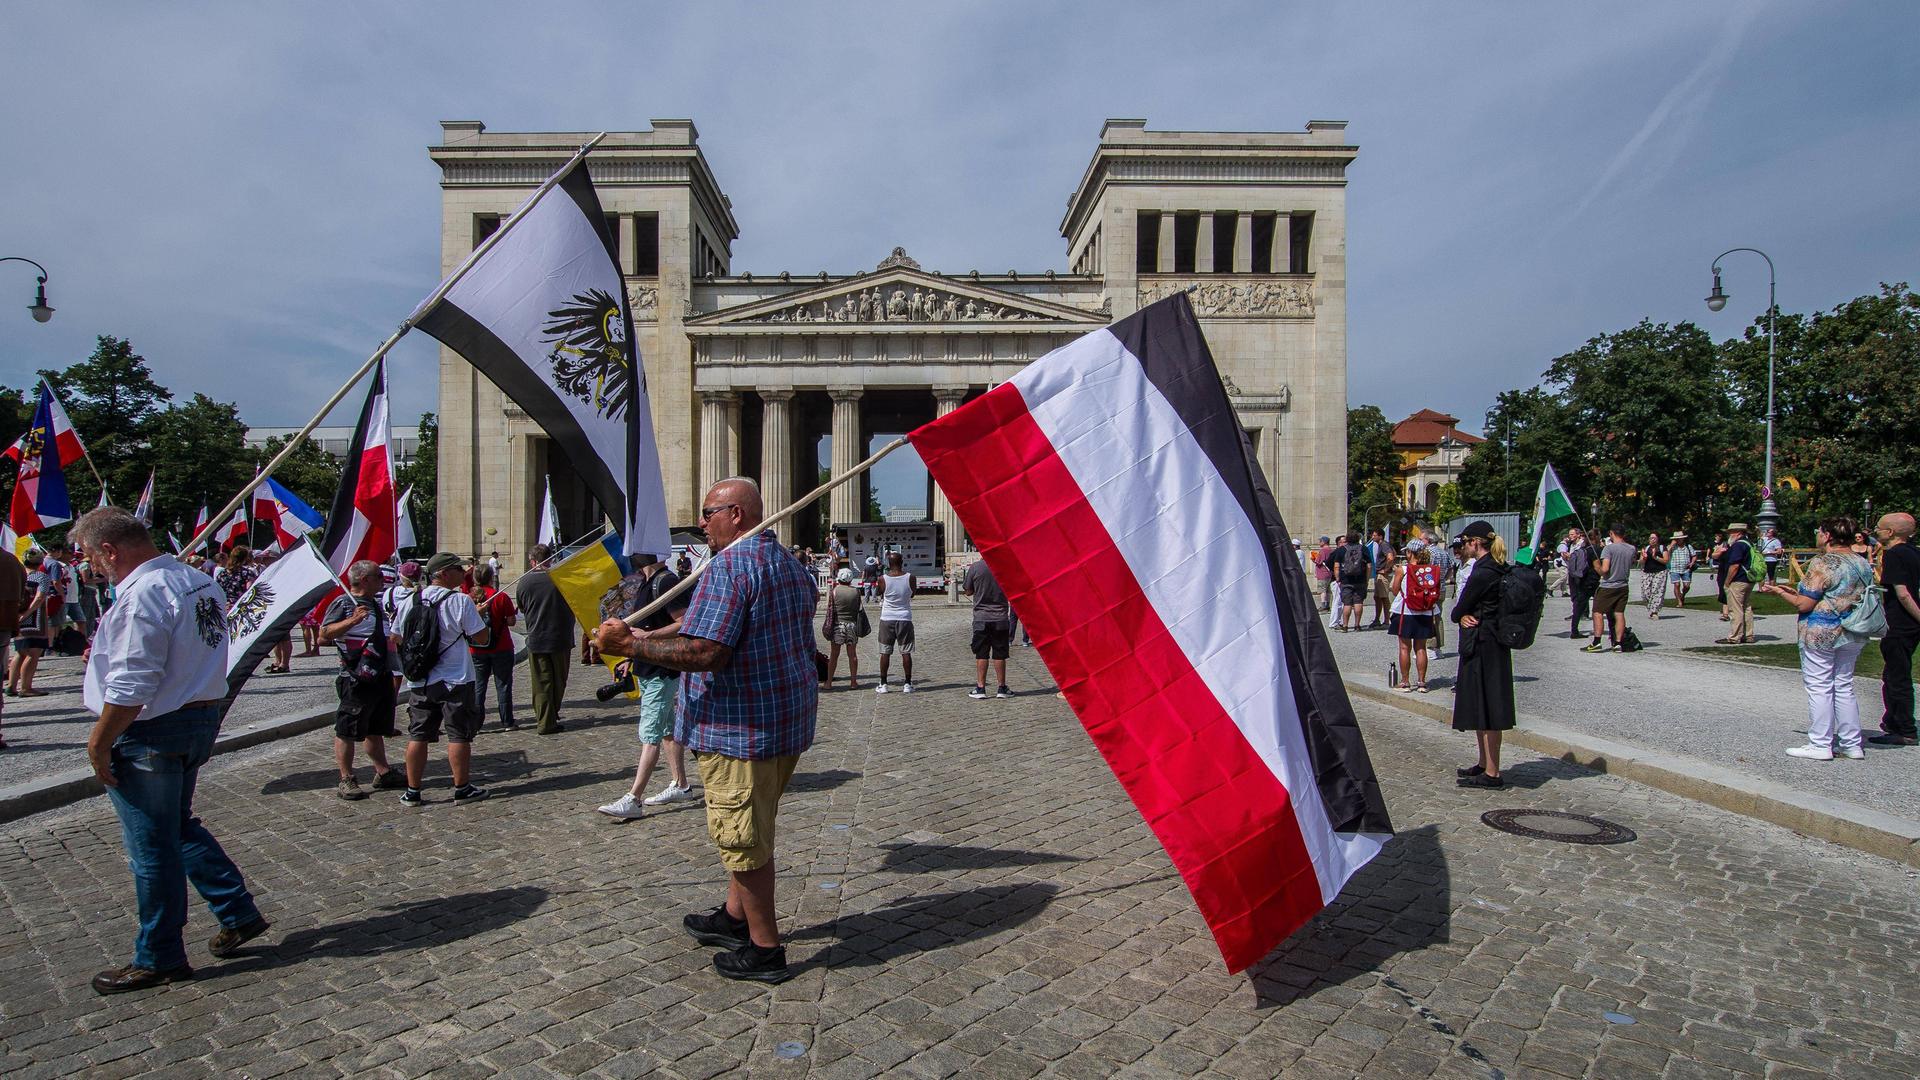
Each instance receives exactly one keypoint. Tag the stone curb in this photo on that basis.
(1843, 823)
(59, 789)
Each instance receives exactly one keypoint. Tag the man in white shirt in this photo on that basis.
(442, 698)
(155, 677)
(896, 621)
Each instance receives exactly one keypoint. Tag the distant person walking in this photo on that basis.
(1323, 573)
(1681, 558)
(1610, 599)
(1735, 572)
(549, 638)
(1483, 702)
(896, 621)
(992, 628)
(1834, 582)
(1583, 577)
(658, 687)
(1771, 551)
(1654, 559)
(155, 678)
(1900, 577)
(842, 628)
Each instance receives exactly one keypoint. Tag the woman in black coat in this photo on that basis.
(1483, 695)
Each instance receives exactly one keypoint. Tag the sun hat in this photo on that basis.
(844, 577)
(441, 562)
(1738, 526)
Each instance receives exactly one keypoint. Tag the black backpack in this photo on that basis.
(1353, 563)
(420, 638)
(1522, 595)
(1630, 641)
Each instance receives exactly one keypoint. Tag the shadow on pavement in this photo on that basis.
(925, 923)
(507, 766)
(1400, 902)
(1536, 773)
(820, 781)
(416, 924)
(918, 858)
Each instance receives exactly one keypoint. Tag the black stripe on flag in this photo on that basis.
(1165, 337)
(495, 359)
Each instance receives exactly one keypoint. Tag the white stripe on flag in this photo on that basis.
(1110, 426)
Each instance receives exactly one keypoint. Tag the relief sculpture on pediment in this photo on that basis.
(901, 304)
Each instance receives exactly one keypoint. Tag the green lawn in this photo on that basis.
(1703, 598)
(1786, 655)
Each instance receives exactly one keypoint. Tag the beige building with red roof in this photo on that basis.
(1433, 450)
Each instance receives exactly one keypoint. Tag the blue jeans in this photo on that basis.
(157, 762)
(499, 668)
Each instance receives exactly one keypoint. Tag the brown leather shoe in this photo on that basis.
(129, 978)
(227, 941)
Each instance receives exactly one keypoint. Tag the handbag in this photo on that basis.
(862, 625)
(1868, 617)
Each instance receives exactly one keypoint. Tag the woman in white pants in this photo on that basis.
(1831, 584)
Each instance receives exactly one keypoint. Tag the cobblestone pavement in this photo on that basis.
(967, 892)
(1734, 715)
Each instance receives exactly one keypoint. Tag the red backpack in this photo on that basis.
(1423, 588)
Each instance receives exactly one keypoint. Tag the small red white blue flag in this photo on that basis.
(40, 493)
(290, 517)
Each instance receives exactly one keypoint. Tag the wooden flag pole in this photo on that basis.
(805, 501)
(393, 339)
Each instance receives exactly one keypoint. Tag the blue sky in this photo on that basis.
(244, 190)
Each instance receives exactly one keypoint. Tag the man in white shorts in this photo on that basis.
(896, 622)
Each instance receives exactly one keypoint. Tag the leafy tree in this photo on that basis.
(1543, 432)
(1373, 465)
(111, 397)
(423, 475)
(1847, 395)
(207, 461)
(1447, 505)
(16, 412)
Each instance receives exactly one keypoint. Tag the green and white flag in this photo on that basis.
(1550, 504)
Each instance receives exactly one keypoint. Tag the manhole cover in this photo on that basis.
(1558, 825)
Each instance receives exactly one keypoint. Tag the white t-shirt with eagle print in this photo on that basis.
(162, 644)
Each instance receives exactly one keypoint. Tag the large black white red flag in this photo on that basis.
(1112, 491)
(543, 313)
(364, 520)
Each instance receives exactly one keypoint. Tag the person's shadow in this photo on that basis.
(924, 924)
(1400, 902)
(398, 928)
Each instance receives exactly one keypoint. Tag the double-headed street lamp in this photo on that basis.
(41, 312)
(1769, 517)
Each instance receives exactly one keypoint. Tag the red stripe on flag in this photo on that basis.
(1222, 815)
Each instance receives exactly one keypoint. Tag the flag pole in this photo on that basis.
(393, 339)
(793, 508)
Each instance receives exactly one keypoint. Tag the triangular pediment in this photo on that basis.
(898, 295)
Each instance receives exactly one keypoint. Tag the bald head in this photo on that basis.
(1898, 526)
(731, 509)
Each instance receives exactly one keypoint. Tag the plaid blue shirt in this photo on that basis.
(756, 599)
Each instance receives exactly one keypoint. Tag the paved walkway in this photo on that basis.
(1736, 715)
(968, 892)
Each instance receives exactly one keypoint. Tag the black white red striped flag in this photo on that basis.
(1112, 491)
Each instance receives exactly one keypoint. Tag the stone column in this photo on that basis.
(719, 436)
(776, 456)
(1282, 242)
(844, 501)
(945, 400)
(1203, 244)
(1243, 243)
(1164, 264)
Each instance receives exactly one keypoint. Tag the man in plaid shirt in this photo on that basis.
(747, 707)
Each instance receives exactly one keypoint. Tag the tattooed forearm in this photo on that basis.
(682, 653)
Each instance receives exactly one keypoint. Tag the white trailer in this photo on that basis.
(919, 543)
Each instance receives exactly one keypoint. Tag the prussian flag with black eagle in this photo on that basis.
(1113, 493)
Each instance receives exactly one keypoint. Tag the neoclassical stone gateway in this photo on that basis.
(749, 371)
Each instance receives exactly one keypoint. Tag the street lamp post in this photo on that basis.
(1769, 517)
(41, 312)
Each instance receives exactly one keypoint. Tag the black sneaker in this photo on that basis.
(977, 693)
(1003, 692)
(752, 962)
(469, 793)
(716, 927)
(411, 797)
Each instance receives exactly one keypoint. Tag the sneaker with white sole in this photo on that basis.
(1852, 753)
(670, 794)
(977, 693)
(625, 807)
(906, 688)
(881, 689)
(1813, 753)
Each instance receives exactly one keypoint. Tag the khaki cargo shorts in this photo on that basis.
(742, 798)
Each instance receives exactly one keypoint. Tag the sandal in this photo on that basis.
(1422, 688)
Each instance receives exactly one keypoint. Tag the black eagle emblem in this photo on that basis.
(210, 621)
(590, 357)
(250, 610)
